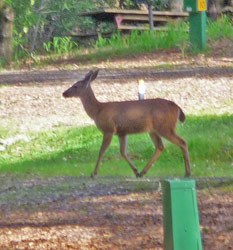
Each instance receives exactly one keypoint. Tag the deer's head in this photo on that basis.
(81, 86)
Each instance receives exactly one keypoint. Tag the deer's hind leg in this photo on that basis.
(123, 149)
(159, 147)
(180, 142)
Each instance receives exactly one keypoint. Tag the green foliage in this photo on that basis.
(60, 45)
(38, 21)
(222, 28)
(146, 41)
(176, 36)
(2, 63)
(135, 4)
(105, 27)
(156, 4)
(86, 24)
(73, 152)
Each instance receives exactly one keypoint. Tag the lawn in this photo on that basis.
(73, 151)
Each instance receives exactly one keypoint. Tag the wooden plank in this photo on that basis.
(144, 12)
(78, 34)
(140, 27)
(144, 18)
(89, 34)
(137, 12)
(132, 27)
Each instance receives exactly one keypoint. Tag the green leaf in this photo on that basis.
(25, 30)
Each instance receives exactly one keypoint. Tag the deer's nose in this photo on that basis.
(65, 94)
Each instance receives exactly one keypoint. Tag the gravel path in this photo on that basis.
(41, 106)
(109, 74)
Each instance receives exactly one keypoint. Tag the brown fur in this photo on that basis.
(158, 117)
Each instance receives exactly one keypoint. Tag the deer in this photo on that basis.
(158, 117)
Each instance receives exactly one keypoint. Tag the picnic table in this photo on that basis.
(135, 19)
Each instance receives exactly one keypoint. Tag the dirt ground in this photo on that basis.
(32, 216)
(42, 214)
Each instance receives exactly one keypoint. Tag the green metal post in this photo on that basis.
(197, 31)
(197, 22)
(180, 216)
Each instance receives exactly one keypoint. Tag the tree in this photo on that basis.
(38, 21)
(176, 5)
(215, 7)
(6, 26)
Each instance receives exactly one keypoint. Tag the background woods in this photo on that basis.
(37, 22)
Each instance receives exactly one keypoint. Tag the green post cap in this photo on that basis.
(180, 216)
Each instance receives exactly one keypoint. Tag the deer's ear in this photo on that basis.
(88, 76)
(94, 75)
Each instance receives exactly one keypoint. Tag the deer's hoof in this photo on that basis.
(93, 175)
(139, 175)
(188, 174)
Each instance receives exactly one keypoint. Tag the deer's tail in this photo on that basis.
(181, 115)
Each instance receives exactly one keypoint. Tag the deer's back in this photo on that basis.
(131, 117)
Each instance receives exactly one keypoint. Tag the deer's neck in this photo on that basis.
(90, 103)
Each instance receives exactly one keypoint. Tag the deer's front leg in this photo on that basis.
(123, 149)
(105, 144)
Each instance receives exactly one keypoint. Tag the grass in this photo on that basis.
(74, 151)
(137, 43)
(60, 45)
(222, 28)
(145, 41)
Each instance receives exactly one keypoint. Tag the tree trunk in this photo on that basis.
(151, 18)
(212, 11)
(215, 7)
(6, 31)
(176, 5)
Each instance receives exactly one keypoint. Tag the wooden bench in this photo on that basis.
(135, 19)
